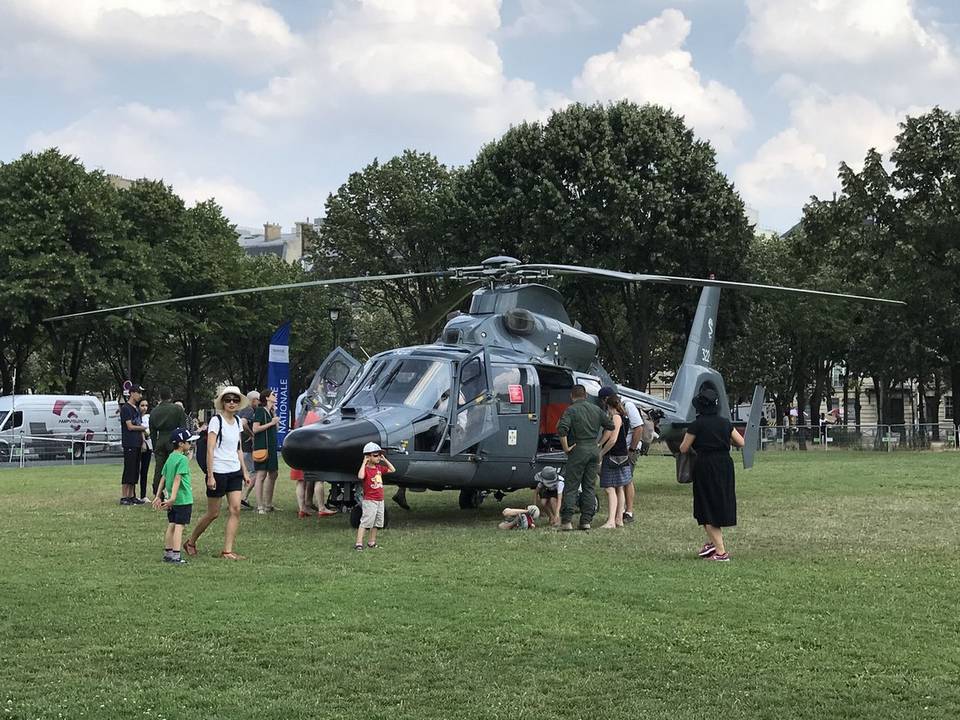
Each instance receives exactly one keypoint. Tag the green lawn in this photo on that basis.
(841, 602)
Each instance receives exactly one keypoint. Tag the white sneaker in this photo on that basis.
(261, 511)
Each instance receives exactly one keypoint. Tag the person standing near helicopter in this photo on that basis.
(579, 429)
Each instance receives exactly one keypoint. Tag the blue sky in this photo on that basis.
(268, 105)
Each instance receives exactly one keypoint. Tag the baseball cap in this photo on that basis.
(182, 435)
(371, 447)
(606, 391)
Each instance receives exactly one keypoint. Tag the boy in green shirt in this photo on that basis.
(179, 502)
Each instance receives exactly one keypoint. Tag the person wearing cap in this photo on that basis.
(226, 473)
(132, 440)
(519, 518)
(166, 417)
(550, 485)
(579, 429)
(371, 472)
(253, 398)
(179, 494)
(714, 490)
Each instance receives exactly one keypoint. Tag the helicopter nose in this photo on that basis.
(329, 447)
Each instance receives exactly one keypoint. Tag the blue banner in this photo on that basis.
(278, 377)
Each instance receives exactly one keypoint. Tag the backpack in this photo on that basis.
(202, 444)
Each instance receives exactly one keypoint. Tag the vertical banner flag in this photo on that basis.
(278, 377)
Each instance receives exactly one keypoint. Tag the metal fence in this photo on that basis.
(884, 438)
(23, 449)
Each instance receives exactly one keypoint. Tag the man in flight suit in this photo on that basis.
(579, 430)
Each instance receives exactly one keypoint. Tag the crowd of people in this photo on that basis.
(239, 457)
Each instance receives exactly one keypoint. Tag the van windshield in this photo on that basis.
(3, 418)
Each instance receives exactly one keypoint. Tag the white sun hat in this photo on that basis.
(371, 447)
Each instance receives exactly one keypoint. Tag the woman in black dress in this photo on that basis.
(714, 490)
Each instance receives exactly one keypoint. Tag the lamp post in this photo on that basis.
(334, 314)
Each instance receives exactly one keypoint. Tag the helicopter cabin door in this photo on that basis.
(474, 416)
(329, 383)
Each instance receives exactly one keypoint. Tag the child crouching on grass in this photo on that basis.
(179, 502)
(371, 472)
(520, 518)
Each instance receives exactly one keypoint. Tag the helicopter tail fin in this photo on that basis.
(697, 369)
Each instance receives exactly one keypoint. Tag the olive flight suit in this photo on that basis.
(165, 418)
(581, 424)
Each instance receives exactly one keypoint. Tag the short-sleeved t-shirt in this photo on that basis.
(225, 459)
(130, 438)
(247, 415)
(373, 481)
(178, 464)
(635, 419)
(712, 433)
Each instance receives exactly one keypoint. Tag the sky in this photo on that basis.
(268, 105)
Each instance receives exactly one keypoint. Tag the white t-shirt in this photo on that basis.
(145, 421)
(225, 458)
(636, 420)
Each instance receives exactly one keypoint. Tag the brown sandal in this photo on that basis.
(232, 556)
(190, 547)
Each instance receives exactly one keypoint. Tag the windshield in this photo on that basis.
(3, 418)
(415, 382)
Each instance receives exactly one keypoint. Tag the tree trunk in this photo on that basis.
(76, 362)
(937, 395)
(801, 429)
(846, 395)
(857, 405)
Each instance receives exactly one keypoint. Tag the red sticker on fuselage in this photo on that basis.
(515, 393)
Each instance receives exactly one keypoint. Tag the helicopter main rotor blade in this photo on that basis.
(699, 282)
(224, 293)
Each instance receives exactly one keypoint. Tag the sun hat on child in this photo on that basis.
(371, 447)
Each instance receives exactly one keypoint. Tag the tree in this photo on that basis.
(617, 186)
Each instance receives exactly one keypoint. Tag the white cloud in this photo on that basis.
(803, 160)
(549, 17)
(137, 141)
(650, 65)
(246, 32)
(393, 65)
(879, 46)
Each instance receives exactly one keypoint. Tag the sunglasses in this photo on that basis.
(231, 399)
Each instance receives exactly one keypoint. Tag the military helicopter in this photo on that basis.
(477, 410)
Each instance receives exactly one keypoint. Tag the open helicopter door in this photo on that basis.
(474, 416)
(329, 383)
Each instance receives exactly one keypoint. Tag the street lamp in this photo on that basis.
(334, 314)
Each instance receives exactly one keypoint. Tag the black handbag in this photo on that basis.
(685, 464)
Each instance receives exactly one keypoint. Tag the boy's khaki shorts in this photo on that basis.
(372, 514)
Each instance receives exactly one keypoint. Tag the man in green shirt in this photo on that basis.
(579, 430)
(165, 418)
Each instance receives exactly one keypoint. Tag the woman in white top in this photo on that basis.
(226, 471)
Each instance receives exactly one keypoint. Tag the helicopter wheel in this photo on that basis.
(470, 499)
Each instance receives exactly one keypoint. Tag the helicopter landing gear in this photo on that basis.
(470, 499)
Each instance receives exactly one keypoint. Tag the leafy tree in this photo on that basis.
(617, 186)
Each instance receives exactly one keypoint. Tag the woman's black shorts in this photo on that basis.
(226, 483)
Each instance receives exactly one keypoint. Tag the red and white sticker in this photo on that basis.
(515, 393)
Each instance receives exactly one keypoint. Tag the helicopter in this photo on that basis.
(477, 410)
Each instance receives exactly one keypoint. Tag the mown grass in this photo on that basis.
(841, 602)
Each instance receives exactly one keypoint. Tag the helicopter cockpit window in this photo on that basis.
(415, 382)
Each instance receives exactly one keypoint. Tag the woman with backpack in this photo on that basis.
(265, 456)
(225, 471)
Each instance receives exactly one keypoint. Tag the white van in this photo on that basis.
(49, 426)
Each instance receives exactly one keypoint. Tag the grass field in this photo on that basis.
(841, 602)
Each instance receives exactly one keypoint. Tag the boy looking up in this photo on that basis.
(371, 472)
(179, 494)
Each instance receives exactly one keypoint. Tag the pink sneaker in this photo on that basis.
(707, 550)
(720, 557)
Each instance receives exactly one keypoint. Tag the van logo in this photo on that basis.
(67, 411)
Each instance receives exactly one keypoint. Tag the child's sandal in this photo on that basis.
(372, 545)
(358, 546)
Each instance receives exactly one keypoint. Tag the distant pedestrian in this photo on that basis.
(714, 489)
(371, 472)
(178, 491)
(226, 474)
(132, 441)
(147, 452)
(265, 454)
(246, 442)
(166, 417)
(579, 429)
(615, 470)
(550, 484)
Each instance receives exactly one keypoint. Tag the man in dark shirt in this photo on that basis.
(579, 430)
(165, 418)
(132, 440)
